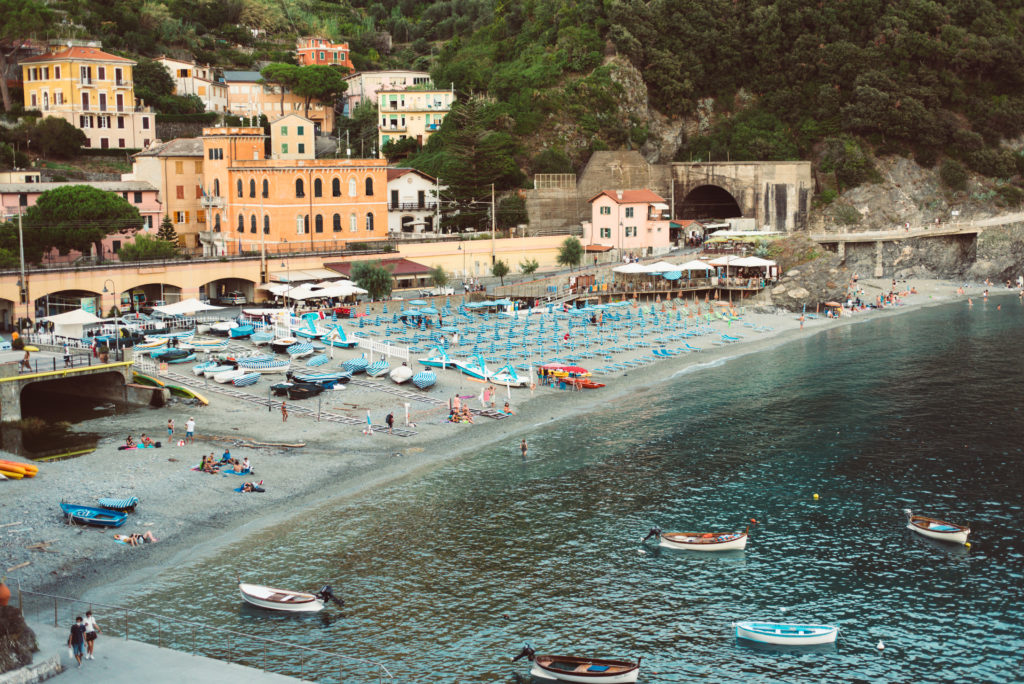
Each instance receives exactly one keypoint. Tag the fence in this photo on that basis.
(269, 655)
(550, 181)
(384, 349)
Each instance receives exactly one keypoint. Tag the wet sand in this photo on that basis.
(194, 514)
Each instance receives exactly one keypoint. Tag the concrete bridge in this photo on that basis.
(51, 379)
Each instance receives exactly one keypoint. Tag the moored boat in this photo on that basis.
(286, 600)
(701, 541)
(580, 669)
(424, 379)
(937, 529)
(87, 515)
(401, 374)
(227, 376)
(356, 365)
(240, 332)
(281, 344)
(377, 368)
(786, 634)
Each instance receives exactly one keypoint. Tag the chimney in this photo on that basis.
(619, 193)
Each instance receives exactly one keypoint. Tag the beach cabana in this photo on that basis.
(70, 324)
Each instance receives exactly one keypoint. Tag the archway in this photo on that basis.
(9, 312)
(72, 398)
(148, 295)
(216, 289)
(709, 202)
(63, 301)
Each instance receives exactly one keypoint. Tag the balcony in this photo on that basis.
(122, 84)
(393, 128)
(212, 202)
(412, 206)
(85, 82)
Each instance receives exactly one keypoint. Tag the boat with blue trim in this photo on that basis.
(786, 634)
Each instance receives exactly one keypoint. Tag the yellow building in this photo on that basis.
(93, 91)
(293, 138)
(414, 112)
(175, 168)
(249, 98)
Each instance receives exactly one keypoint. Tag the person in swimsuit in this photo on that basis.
(129, 442)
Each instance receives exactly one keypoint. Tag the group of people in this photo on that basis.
(460, 415)
(136, 539)
(472, 285)
(144, 440)
(82, 639)
(211, 465)
(190, 430)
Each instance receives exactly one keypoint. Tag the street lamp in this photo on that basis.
(105, 291)
(286, 265)
(117, 329)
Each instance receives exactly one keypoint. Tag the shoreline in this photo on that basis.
(195, 515)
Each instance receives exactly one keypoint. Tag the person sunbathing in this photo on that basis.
(129, 442)
(146, 441)
(236, 466)
(466, 415)
(136, 539)
(508, 410)
(209, 466)
(253, 487)
(453, 417)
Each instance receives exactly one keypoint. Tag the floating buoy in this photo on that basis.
(881, 646)
(967, 544)
(815, 497)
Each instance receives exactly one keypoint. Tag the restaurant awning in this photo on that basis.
(597, 248)
(302, 275)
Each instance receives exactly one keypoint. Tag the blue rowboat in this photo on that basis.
(325, 376)
(87, 515)
(379, 367)
(199, 368)
(318, 360)
(786, 634)
(424, 379)
(300, 349)
(356, 365)
(127, 504)
(246, 380)
(261, 338)
(170, 355)
(182, 359)
(240, 332)
(264, 365)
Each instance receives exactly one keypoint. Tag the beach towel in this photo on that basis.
(232, 472)
(257, 488)
(155, 445)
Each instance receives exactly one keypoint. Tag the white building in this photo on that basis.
(365, 85)
(412, 203)
(193, 79)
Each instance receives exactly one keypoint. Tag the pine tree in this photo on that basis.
(167, 232)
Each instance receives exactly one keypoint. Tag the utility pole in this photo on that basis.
(494, 224)
(24, 279)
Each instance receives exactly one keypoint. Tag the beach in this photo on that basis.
(193, 514)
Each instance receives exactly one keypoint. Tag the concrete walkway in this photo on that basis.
(131, 662)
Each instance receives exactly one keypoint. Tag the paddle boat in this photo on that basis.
(474, 368)
(424, 379)
(578, 669)
(285, 600)
(937, 529)
(125, 505)
(786, 634)
(281, 344)
(506, 376)
(377, 368)
(242, 331)
(567, 374)
(87, 515)
(308, 328)
(337, 338)
(701, 541)
(401, 374)
(437, 359)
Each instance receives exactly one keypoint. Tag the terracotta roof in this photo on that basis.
(79, 53)
(109, 186)
(398, 267)
(398, 173)
(597, 248)
(630, 196)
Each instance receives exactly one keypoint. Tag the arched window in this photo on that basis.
(337, 223)
(240, 187)
(252, 187)
(336, 187)
(216, 187)
(216, 223)
(319, 224)
(266, 188)
(252, 223)
(369, 221)
(299, 188)
(369, 187)
(353, 224)
(352, 191)
(241, 221)
(318, 188)
(299, 224)
(266, 225)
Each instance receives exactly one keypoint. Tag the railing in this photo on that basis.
(79, 357)
(411, 206)
(393, 127)
(177, 633)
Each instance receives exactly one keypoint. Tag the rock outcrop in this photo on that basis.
(999, 255)
(17, 640)
(811, 284)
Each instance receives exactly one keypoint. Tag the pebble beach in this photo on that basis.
(194, 513)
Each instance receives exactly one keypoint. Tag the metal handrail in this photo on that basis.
(382, 671)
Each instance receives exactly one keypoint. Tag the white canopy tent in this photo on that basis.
(727, 260)
(752, 262)
(630, 268)
(695, 265)
(660, 267)
(276, 289)
(185, 307)
(70, 324)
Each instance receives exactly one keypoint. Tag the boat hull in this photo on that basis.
(781, 634)
(557, 668)
(695, 541)
(87, 515)
(305, 606)
(957, 536)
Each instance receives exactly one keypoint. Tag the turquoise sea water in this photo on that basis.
(446, 575)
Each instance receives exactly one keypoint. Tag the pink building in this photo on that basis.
(16, 198)
(630, 221)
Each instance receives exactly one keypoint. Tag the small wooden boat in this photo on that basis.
(207, 345)
(356, 365)
(220, 368)
(246, 379)
(937, 529)
(304, 390)
(87, 515)
(281, 344)
(299, 349)
(240, 332)
(126, 505)
(578, 669)
(280, 599)
(322, 377)
(701, 541)
(786, 634)
(186, 393)
(401, 374)
(150, 345)
(424, 379)
(261, 365)
(170, 355)
(199, 368)
(377, 368)
(183, 359)
(281, 388)
(261, 338)
(227, 376)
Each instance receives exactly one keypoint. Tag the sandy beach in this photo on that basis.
(193, 513)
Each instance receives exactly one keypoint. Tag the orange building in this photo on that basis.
(297, 204)
(312, 50)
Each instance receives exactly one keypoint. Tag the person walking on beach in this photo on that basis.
(801, 321)
(390, 420)
(170, 428)
(284, 413)
(190, 430)
(26, 363)
(92, 630)
(523, 448)
(76, 640)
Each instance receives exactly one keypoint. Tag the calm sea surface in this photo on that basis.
(446, 575)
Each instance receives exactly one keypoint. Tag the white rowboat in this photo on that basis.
(937, 529)
(577, 669)
(786, 634)
(280, 599)
(701, 541)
